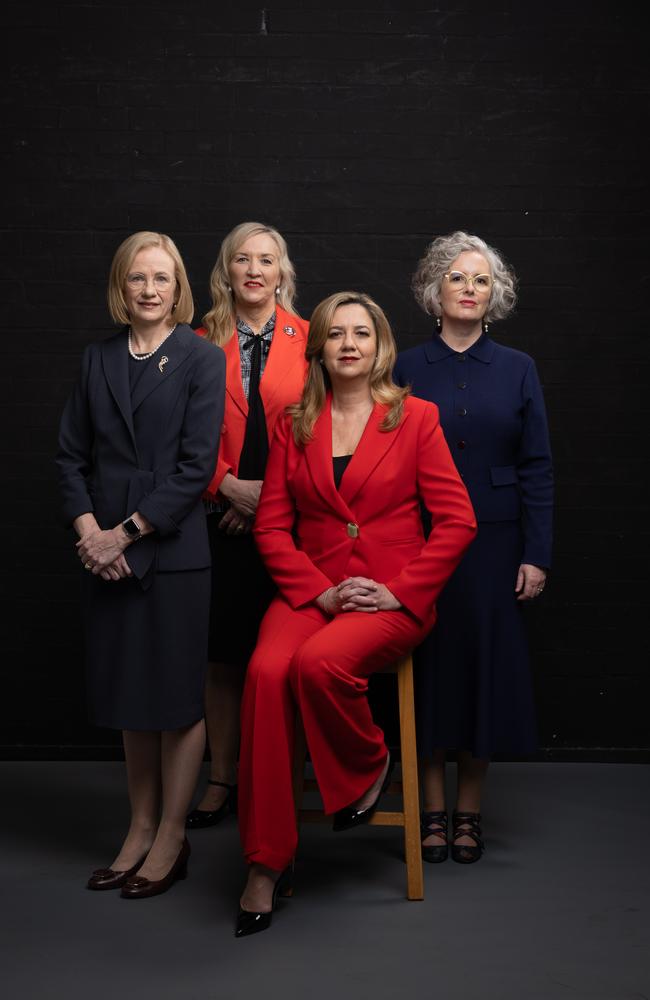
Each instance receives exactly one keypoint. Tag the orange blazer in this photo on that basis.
(281, 384)
(311, 535)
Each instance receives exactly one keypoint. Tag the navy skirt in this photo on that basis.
(146, 650)
(473, 681)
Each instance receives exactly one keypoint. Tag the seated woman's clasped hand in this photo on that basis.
(357, 593)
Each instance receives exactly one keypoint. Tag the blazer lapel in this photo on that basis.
(287, 350)
(318, 454)
(173, 353)
(115, 361)
(234, 386)
(373, 447)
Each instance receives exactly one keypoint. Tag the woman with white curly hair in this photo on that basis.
(475, 691)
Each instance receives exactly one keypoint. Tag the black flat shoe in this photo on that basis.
(434, 822)
(108, 878)
(349, 817)
(467, 824)
(199, 818)
(139, 887)
(249, 922)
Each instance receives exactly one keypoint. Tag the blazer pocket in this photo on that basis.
(503, 475)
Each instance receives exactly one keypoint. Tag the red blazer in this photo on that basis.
(312, 536)
(281, 384)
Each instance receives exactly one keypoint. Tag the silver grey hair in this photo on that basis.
(439, 257)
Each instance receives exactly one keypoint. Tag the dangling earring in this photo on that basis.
(438, 323)
(485, 326)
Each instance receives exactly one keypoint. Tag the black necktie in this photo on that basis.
(252, 461)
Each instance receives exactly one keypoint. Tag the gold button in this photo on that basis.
(353, 530)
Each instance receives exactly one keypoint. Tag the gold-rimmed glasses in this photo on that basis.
(460, 280)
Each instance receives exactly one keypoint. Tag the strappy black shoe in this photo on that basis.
(436, 823)
(249, 922)
(467, 824)
(199, 818)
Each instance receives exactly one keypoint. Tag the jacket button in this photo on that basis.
(462, 385)
(460, 444)
(353, 530)
(461, 357)
(462, 412)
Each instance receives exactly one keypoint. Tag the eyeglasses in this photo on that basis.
(160, 281)
(458, 279)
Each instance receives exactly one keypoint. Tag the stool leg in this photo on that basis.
(412, 846)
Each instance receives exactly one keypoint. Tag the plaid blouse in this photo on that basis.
(244, 333)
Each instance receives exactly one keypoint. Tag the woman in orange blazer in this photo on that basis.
(339, 529)
(253, 289)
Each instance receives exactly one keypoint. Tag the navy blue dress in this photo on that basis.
(473, 682)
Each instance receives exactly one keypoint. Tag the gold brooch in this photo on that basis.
(163, 361)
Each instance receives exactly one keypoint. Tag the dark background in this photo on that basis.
(361, 131)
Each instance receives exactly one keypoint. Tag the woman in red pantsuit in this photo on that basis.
(339, 528)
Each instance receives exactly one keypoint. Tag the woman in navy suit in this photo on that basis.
(475, 689)
(137, 447)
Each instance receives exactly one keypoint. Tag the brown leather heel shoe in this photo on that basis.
(107, 878)
(141, 888)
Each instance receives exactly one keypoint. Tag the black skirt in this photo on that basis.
(473, 681)
(241, 592)
(146, 650)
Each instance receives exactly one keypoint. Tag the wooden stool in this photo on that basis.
(409, 819)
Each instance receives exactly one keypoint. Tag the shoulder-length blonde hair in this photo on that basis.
(122, 262)
(219, 321)
(441, 254)
(382, 388)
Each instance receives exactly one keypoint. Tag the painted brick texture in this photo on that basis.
(360, 131)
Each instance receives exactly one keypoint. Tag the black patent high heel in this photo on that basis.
(250, 922)
(434, 823)
(199, 818)
(467, 824)
(350, 816)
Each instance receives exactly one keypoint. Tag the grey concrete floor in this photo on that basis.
(558, 909)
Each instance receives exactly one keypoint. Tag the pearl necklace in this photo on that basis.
(145, 357)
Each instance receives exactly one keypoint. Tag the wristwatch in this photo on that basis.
(132, 529)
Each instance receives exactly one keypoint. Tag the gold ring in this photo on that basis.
(88, 565)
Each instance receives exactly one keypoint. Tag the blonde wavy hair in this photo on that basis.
(219, 321)
(305, 413)
(122, 263)
(441, 254)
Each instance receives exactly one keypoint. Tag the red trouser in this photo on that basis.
(321, 665)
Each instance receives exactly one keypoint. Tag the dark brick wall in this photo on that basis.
(360, 131)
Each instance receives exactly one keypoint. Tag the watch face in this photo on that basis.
(131, 527)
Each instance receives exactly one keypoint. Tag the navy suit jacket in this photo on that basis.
(154, 453)
(493, 417)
